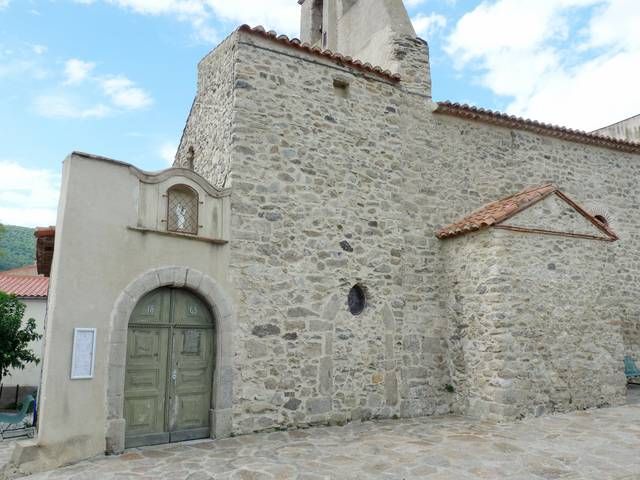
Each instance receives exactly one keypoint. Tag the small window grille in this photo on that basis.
(182, 210)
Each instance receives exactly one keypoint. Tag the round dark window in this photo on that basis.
(357, 300)
(602, 219)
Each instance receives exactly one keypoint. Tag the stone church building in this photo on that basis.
(331, 245)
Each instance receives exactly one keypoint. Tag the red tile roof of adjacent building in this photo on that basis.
(497, 212)
(24, 286)
(509, 121)
(327, 54)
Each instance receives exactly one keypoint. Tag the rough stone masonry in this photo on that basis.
(341, 174)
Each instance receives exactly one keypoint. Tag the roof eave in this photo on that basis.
(472, 113)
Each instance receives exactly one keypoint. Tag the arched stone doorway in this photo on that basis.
(219, 305)
(169, 369)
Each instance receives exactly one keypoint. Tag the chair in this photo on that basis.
(13, 421)
(630, 369)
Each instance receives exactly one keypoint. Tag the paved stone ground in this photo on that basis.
(5, 452)
(596, 444)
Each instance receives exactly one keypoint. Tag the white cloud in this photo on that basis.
(280, 15)
(162, 7)
(4, 3)
(103, 96)
(425, 25)
(39, 49)
(547, 65)
(592, 95)
(76, 71)
(195, 12)
(28, 197)
(22, 67)
(616, 24)
(22, 62)
(168, 152)
(62, 106)
(510, 25)
(124, 93)
(413, 3)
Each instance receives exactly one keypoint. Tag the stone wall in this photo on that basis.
(338, 185)
(208, 142)
(319, 206)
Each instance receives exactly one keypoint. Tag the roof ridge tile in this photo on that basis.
(334, 56)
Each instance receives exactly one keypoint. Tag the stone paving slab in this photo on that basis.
(6, 447)
(596, 444)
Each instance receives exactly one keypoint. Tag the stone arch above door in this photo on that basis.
(221, 306)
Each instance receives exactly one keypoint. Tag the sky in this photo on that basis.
(117, 77)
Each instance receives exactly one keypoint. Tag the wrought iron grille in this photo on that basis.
(182, 210)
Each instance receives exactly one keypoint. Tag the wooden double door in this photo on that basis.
(169, 369)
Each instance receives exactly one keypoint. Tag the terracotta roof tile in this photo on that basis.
(497, 212)
(24, 286)
(327, 54)
(509, 121)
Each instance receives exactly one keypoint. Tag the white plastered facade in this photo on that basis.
(111, 248)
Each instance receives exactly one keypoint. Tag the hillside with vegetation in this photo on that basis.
(17, 247)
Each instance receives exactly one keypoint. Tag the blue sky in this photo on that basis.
(117, 77)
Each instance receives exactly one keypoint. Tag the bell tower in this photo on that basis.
(311, 22)
(375, 31)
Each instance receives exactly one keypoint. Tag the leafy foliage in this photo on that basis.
(14, 336)
(17, 247)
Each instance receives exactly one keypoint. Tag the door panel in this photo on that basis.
(190, 310)
(193, 365)
(155, 307)
(145, 380)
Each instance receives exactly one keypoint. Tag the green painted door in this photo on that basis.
(170, 362)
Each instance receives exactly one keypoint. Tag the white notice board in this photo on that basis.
(84, 353)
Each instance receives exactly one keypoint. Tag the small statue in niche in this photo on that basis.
(191, 154)
(181, 217)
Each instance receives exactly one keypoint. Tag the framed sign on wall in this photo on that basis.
(84, 353)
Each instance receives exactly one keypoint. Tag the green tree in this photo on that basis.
(14, 336)
(18, 247)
